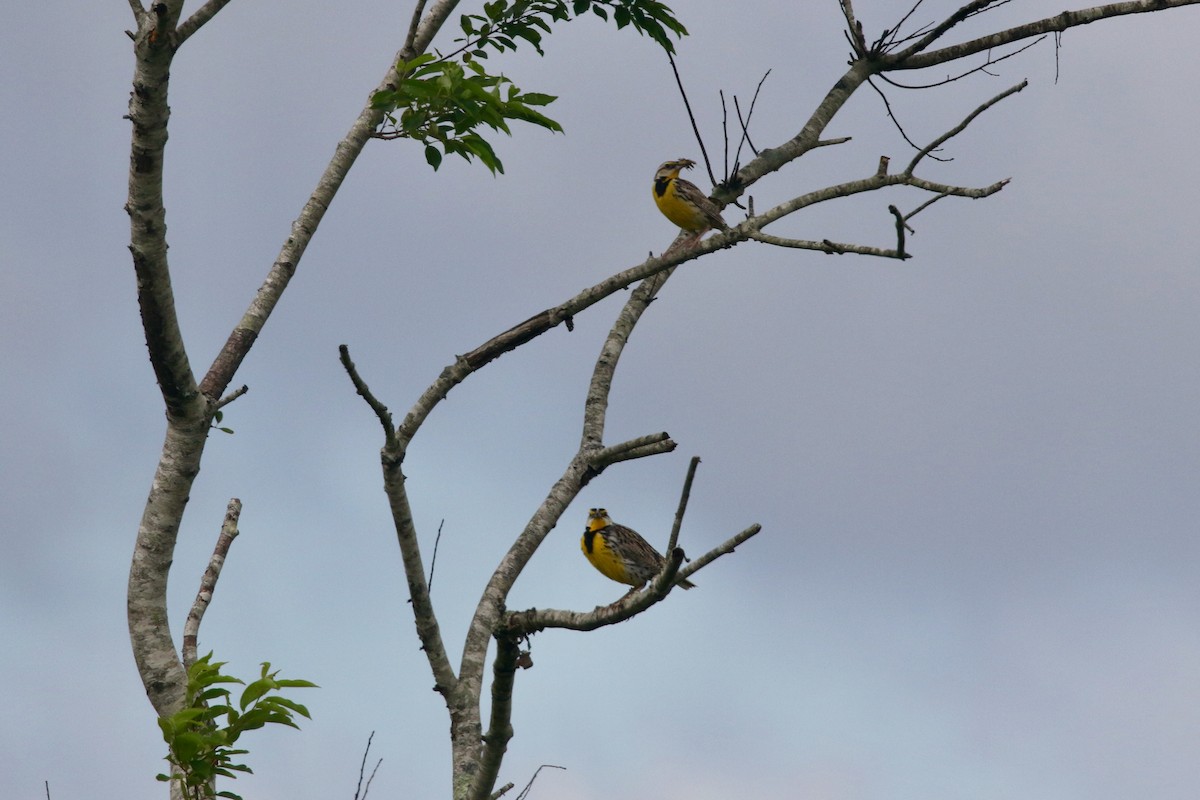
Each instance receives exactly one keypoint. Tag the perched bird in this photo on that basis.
(683, 203)
(620, 553)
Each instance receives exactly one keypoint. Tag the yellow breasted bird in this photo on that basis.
(682, 202)
(620, 553)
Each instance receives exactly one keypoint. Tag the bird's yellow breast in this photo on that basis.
(675, 208)
(596, 548)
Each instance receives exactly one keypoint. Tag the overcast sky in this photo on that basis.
(976, 470)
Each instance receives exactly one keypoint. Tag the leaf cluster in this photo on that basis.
(503, 22)
(443, 101)
(200, 737)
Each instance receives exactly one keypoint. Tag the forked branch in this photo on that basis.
(752, 228)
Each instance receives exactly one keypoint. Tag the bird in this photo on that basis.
(682, 202)
(620, 553)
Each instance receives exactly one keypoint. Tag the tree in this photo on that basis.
(193, 405)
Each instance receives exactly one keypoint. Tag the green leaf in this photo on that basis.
(186, 745)
(600, 12)
(408, 66)
(291, 705)
(255, 691)
(531, 36)
(538, 99)
(433, 156)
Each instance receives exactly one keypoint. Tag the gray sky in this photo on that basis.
(975, 471)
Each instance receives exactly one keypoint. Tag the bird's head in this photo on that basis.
(670, 169)
(598, 518)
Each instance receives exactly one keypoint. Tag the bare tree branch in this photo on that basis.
(446, 683)
(500, 730)
(854, 30)
(962, 126)
(523, 623)
(772, 159)
(208, 583)
(913, 58)
(429, 26)
(828, 246)
(200, 16)
(413, 26)
(990, 61)
(905, 217)
(640, 447)
(962, 13)
(535, 326)
(234, 395)
(725, 548)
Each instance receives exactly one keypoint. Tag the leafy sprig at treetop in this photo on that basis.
(442, 100)
(199, 747)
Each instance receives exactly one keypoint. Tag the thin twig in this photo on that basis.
(891, 115)
(746, 123)
(905, 18)
(433, 558)
(367, 788)
(683, 501)
(525, 792)
(692, 118)
(923, 206)
(1057, 48)
(360, 386)
(725, 134)
(208, 582)
(362, 768)
(981, 68)
(234, 395)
